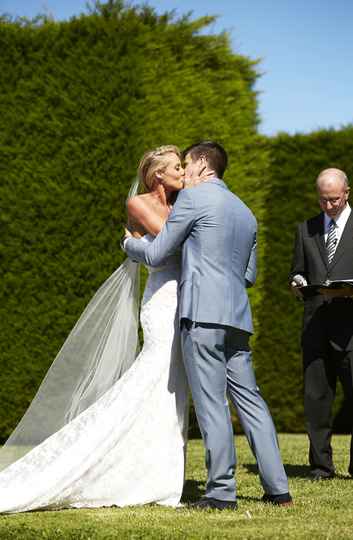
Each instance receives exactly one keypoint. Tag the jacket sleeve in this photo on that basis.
(251, 270)
(173, 234)
(298, 261)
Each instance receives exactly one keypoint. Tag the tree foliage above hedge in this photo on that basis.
(80, 103)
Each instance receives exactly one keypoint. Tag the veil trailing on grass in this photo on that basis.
(98, 351)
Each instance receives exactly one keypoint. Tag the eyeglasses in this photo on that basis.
(332, 200)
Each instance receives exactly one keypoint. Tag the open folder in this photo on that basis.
(319, 288)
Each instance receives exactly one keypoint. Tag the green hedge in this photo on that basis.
(291, 198)
(80, 102)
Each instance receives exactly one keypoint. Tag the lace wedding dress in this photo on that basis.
(128, 447)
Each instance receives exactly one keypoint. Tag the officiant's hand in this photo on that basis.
(298, 281)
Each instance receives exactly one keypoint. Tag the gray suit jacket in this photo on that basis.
(217, 234)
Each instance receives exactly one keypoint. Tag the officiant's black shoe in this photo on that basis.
(317, 474)
(284, 499)
(207, 503)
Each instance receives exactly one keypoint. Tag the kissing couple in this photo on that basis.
(116, 433)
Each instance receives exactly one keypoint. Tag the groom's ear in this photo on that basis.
(203, 162)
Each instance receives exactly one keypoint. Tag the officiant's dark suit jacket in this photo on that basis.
(332, 319)
(327, 337)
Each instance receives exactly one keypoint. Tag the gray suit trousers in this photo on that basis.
(218, 362)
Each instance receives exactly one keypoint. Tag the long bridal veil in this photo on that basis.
(100, 348)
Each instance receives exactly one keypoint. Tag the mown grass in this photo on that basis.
(321, 510)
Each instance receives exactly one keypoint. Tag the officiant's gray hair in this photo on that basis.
(332, 173)
(155, 161)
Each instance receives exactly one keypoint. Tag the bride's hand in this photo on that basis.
(132, 234)
(202, 176)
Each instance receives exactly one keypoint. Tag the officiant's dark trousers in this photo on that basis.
(327, 357)
(218, 362)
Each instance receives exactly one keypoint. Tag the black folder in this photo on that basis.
(319, 288)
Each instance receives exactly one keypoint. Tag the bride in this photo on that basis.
(107, 427)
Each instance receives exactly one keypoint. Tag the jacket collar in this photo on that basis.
(218, 181)
(320, 237)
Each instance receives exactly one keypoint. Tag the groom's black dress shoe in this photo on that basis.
(316, 474)
(284, 499)
(207, 503)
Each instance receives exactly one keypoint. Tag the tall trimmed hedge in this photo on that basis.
(291, 198)
(80, 103)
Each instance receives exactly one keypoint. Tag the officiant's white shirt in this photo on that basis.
(340, 223)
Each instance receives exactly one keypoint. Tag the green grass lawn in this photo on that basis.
(321, 509)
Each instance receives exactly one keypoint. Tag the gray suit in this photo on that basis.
(217, 233)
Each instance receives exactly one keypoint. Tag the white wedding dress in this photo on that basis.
(128, 448)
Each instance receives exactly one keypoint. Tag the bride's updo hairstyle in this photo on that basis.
(153, 162)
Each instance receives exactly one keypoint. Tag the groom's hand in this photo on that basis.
(201, 176)
(127, 234)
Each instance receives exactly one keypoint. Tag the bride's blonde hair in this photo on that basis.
(155, 161)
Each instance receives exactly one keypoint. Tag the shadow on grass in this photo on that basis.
(246, 498)
(193, 491)
(293, 471)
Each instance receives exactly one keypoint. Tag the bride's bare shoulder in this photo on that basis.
(139, 204)
(146, 213)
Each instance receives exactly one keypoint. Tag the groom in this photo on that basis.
(217, 233)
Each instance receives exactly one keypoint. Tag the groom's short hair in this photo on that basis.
(214, 153)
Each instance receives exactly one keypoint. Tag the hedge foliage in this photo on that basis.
(291, 198)
(81, 101)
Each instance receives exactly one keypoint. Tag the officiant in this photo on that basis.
(323, 251)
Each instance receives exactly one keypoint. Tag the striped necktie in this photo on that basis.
(331, 241)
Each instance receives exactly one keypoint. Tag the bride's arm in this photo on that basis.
(177, 228)
(141, 214)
